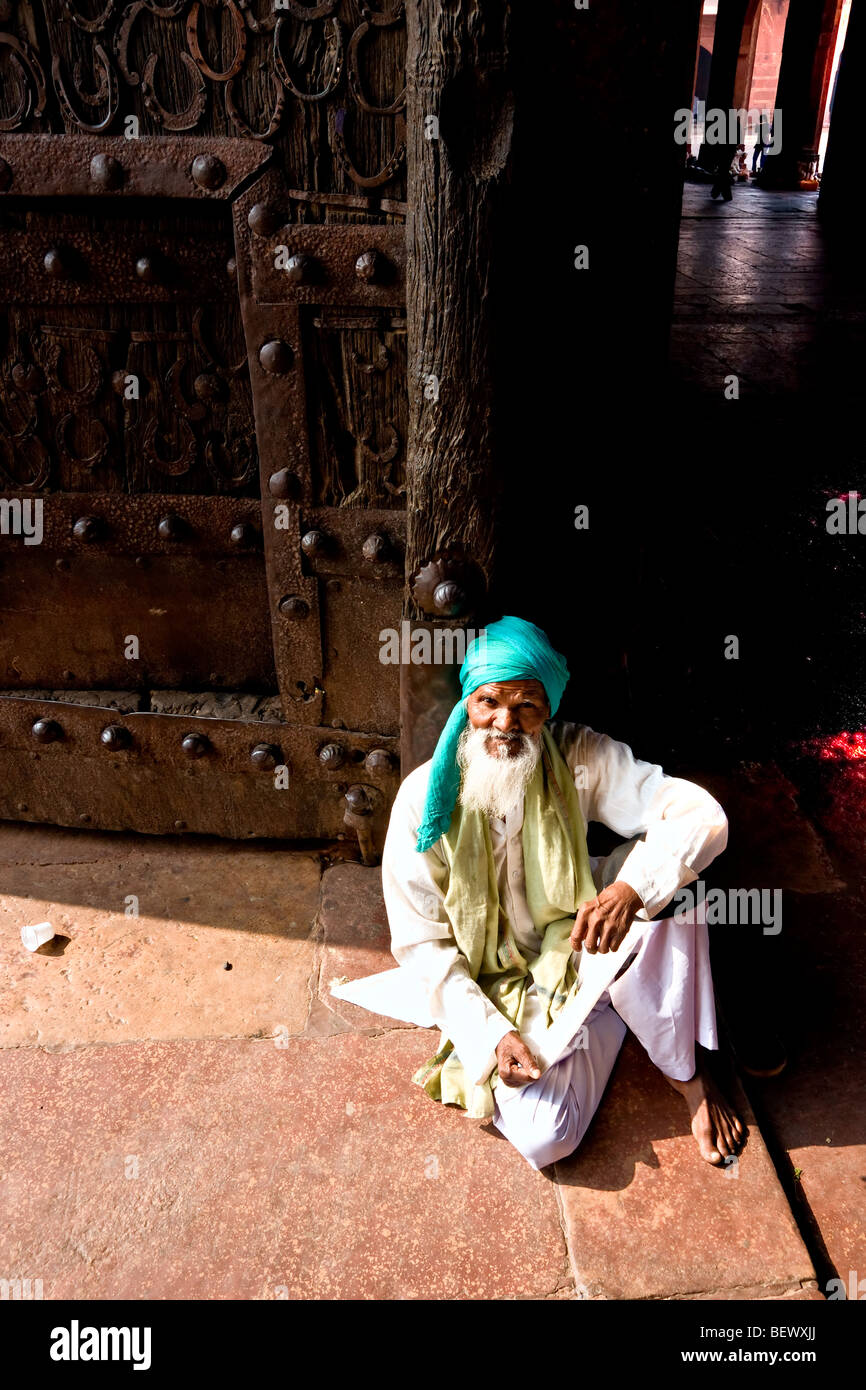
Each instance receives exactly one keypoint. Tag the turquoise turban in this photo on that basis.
(509, 650)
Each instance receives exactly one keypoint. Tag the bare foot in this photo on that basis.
(716, 1126)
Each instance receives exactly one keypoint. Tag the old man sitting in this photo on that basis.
(495, 906)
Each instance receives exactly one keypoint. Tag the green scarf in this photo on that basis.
(558, 880)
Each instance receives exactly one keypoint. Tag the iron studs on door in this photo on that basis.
(276, 357)
(208, 171)
(106, 171)
(46, 731)
(294, 607)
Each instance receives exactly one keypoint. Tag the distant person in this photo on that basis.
(758, 155)
(721, 170)
(765, 138)
(742, 168)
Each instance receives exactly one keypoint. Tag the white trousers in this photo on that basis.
(665, 996)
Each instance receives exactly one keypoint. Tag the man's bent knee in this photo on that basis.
(542, 1144)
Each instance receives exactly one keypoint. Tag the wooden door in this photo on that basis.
(203, 383)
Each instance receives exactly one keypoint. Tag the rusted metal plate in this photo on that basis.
(365, 202)
(58, 261)
(360, 687)
(361, 547)
(152, 785)
(147, 524)
(363, 543)
(280, 407)
(198, 621)
(170, 524)
(358, 560)
(330, 270)
(360, 571)
(76, 166)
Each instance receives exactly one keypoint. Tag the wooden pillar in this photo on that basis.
(459, 132)
(796, 97)
(840, 198)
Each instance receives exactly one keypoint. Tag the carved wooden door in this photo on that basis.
(203, 383)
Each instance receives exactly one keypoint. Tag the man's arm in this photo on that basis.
(684, 828)
(422, 941)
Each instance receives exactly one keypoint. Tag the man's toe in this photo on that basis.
(706, 1141)
(733, 1130)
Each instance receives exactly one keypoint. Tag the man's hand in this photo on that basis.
(602, 923)
(516, 1063)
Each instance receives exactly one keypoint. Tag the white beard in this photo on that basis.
(494, 782)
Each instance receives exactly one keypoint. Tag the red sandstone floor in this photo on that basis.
(173, 1129)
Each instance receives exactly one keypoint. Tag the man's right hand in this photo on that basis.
(516, 1063)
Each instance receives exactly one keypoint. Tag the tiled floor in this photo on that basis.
(769, 294)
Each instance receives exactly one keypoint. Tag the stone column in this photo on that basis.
(796, 98)
(840, 198)
(823, 64)
(727, 40)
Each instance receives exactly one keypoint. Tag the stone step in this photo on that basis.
(646, 1217)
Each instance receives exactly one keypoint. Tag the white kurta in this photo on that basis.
(665, 995)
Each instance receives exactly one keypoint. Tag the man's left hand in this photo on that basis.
(602, 923)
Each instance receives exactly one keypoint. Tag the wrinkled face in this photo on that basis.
(508, 709)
